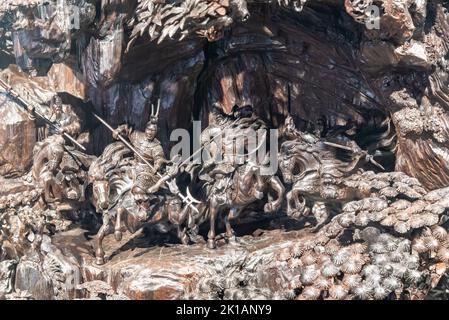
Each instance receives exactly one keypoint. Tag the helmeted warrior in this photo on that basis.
(223, 140)
(65, 118)
(150, 148)
(56, 163)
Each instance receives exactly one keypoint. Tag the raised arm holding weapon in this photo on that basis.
(35, 113)
(148, 149)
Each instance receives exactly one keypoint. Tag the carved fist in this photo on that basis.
(116, 134)
(122, 129)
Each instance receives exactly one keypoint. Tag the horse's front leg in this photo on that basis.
(104, 230)
(320, 212)
(192, 230)
(213, 216)
(299, 207)
(118, 224)
(296, 194)
(290, 200)
(52, 191)
(182, 235)
(247, 180)
(183, 224)
(279, 188)
(230, 233)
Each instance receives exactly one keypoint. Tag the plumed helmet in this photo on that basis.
(154, 115)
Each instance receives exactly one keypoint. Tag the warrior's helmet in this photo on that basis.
(151, 127)
(154, 115)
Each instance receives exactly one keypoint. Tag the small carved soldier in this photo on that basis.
(65, 118)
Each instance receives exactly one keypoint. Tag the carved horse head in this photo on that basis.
(101, 195)
(286, 165)
(239, 10)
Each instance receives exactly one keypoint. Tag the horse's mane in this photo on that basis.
(113, 166)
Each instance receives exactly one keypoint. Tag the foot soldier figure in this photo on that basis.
(65, 118)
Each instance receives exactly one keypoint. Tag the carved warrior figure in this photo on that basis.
(65, 118)
(57, 166)
(125, 205)
(149, 147)
(316, 170)
(128, 191)
(221, 141)
(229, 186)
(136, 209)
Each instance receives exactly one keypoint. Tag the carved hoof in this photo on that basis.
(259, 195)
(306, 211)
(197, 239)
(72, 195)
(232, 240)
(184, 239)
(268, 208)
(211, 244)
(233, 213)
(118, 235)
(294, 213)
(99, 260)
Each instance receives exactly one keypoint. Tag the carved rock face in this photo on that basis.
(103, 59)
(42, 30)
(7, 269)
(30, 277)
(17, 138)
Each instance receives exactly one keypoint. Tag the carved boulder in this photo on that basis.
(17, 138)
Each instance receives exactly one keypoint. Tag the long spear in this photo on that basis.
(32, 110)
(369, 157)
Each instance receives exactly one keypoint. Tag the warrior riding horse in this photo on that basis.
(246, 186)
(229, 187)
(125, 188)
(130, 200)
(126, 204)
(311, 166)
(58, 168)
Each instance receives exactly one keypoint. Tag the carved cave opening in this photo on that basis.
(270, 62)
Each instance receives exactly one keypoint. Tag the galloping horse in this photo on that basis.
(125, 206)
(246, 186)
